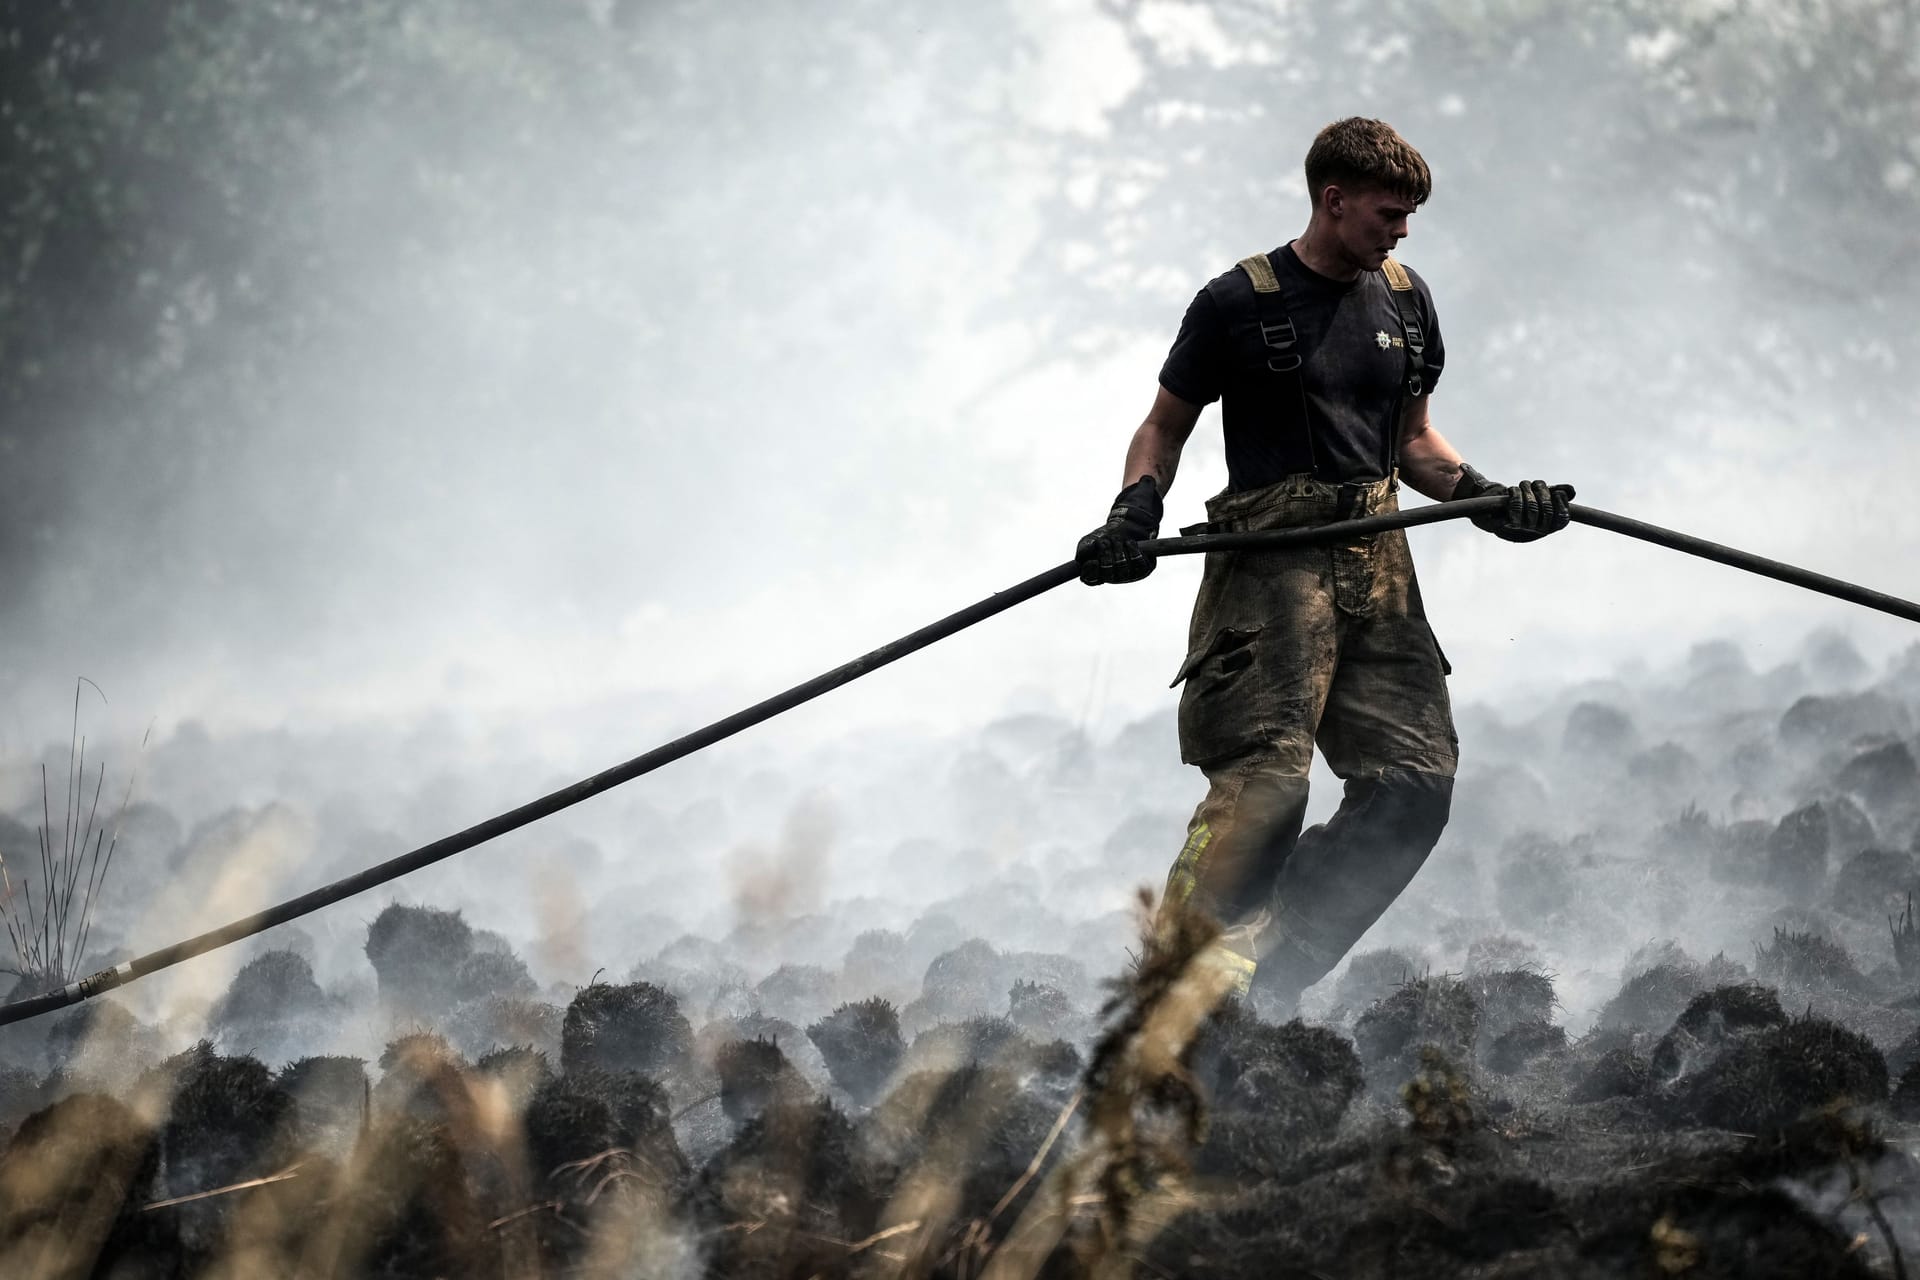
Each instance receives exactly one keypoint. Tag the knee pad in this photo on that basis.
(1346, 872)
(1413, 804)
(1396, 823)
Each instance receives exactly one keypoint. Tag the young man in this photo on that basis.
(1324, 353)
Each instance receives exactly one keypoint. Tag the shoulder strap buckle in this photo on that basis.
(1282, 337)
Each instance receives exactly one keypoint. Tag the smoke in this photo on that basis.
(547, 362)
(502, 396)
(406, 410)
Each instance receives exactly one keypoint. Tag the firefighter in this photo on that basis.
(1324, 353)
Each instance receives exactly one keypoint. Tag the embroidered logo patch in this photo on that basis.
(1383, 339)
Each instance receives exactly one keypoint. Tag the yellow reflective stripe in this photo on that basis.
(1236, 971)
(1185, 876)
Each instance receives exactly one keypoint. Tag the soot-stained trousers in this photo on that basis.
(1318, 645)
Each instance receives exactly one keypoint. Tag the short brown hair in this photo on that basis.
(1366, 152)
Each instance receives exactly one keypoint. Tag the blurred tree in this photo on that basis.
(1594, 162)
(270, 239)
(262, 261)
(1792, 129)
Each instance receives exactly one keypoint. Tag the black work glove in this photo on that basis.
(1534, 508)
(1112, 552)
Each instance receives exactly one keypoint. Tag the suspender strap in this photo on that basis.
(1400, 289)
(1276, 326)
(1282, 340)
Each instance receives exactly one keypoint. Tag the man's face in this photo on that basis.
(1369, 221)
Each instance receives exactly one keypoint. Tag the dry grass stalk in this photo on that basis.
(1144, 1110)
(926, 1201)
(287, 1174)
(50, 936)
(974, 1250)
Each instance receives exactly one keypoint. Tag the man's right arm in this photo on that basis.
(1112, 552)
(1156, 445)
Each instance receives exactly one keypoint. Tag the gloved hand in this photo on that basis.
(1112, 552)
(1534, 508)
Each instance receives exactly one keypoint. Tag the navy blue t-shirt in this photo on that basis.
(1354, 375)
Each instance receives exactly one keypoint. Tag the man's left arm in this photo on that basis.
(1427, 462)
(1433, 467)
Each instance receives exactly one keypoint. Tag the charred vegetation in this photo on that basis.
(1531, 1075)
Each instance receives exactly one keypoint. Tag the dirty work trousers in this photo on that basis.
(1287, 649)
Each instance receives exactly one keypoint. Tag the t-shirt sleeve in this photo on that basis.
(1436, 353)
(1196, 367)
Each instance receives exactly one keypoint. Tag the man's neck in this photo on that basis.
(1320, 253)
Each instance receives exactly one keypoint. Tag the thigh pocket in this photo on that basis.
(1227, 653)
(1222, 708)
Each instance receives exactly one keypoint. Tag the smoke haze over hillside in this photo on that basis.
(408, 408)
(458, 360)
(492, 396)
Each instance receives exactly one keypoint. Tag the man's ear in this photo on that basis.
(1333, 199)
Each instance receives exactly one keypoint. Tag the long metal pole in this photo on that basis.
(566, 797)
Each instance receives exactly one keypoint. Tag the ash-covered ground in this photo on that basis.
(884, 1009)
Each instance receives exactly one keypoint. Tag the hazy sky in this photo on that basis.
(668, 407)
(835, 458)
